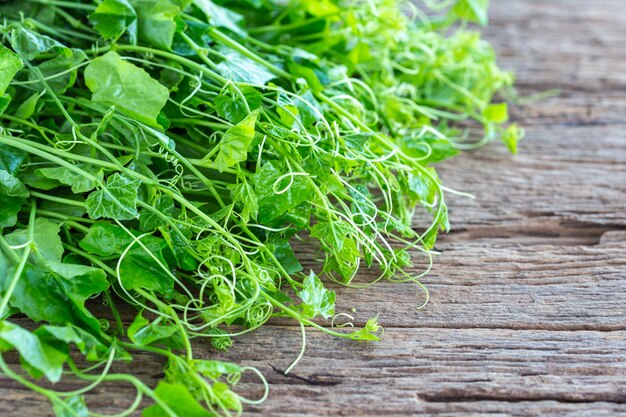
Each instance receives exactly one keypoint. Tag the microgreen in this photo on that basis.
(165, 155)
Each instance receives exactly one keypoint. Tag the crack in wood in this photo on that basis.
(462, 397)
(317, 379)
(539, 229)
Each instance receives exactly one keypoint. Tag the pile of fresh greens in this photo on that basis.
(160, 157)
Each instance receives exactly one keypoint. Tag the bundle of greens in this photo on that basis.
(160, 157)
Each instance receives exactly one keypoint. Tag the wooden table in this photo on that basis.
(528, 300)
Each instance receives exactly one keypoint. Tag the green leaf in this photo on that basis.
(37, 295)
(87, 344)
(112, 17)
(79, 283)
(329, 181)
(345, 261)
(78, 183)
(422, 189)
(309, 109)
(473, 10)
(13, 194)
(139, 322)
(362, 205)
(10, 64)
(140, 267)
(144, 333)
(429, 150)
(316, 300)
(440, 149)
(215, 369)
(5, 100)
(49, 289)
(321, 7)
(33, 351)
(332, 233)
(74, 403)
(34, 179)
(117, 200)
(308, 74)
(278, 195)
(222, 213)
(244, 194)
(46, 242)
(11, 159)
(105, 239)
(60, 71)
(30, 44)
(26, 109)
(220, 339)
(360, 53)
(178, 398)
(114, 81)
(496, 113)
(288, 112)
(220, 16)
(511, 137)
(180, 247)
(235, 142)
(148, 220)
(233, 108)
(303, 108)
(226, 396)
(285, 255)
(238, 68)
(357, 141)
(32, 294)
(371, 331)
(182, 4)
(441, 223)
(156, 23)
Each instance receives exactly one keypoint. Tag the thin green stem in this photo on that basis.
(65, 4)
(66, 201)
(28, 246)
(293, 314)
(233, 44)
(290, 26)
(14, 281)
(115, 312)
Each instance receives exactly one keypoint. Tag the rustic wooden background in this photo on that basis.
(528, 300)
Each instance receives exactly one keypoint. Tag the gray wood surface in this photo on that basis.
(528, 299)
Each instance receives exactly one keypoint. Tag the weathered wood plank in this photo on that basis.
(573, 173)
(419, 371)
(413, 370)
(525, 275)
(576, 45)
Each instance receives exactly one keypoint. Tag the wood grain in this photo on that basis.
(527, 315)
